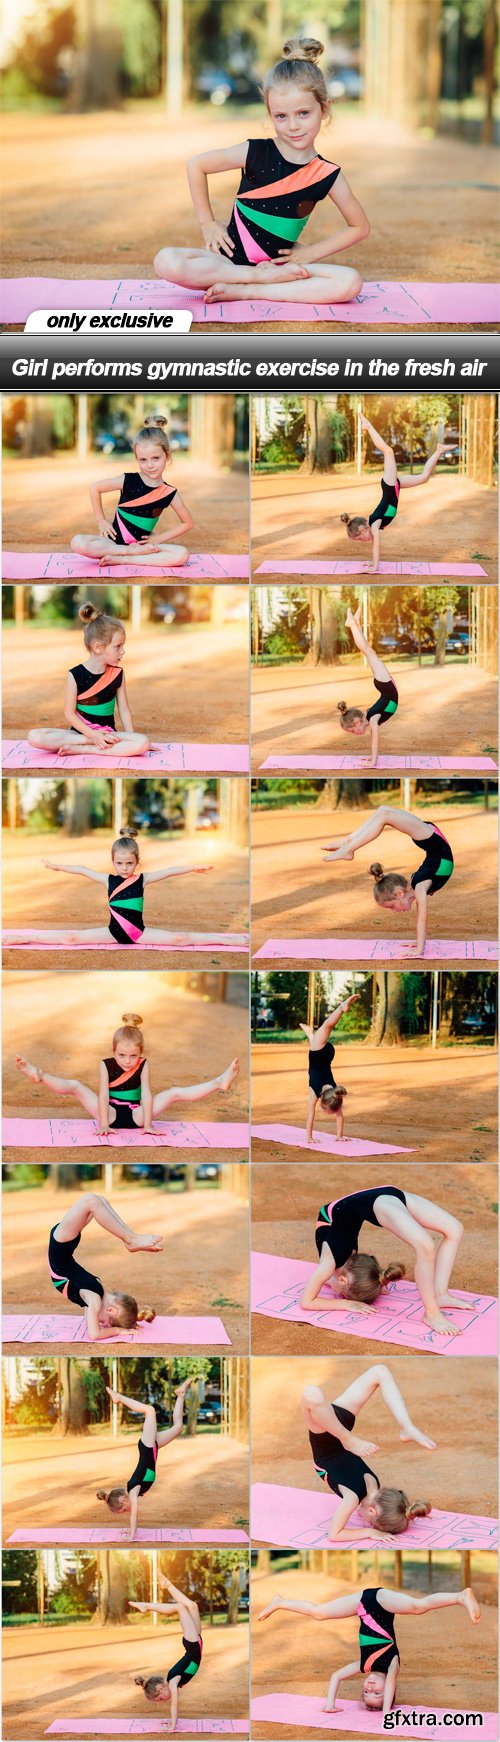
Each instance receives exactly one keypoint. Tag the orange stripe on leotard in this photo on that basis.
(126, 1074)
(144, 501)
(125, 884)
(101, 683)
(306, 176)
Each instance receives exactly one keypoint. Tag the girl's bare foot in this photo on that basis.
(179, 1389)
(270, 1609)
(470, 1603)
(449, 1300)
(229, 1077)
(32, 1071)
(413, 1433)
(340, 853)
(362, 1448)
(112, 1394)
(144, 1243)
(437, 1322)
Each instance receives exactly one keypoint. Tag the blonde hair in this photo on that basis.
(98, 626)
(131, 1031)
(395, 1511)
(154, 429)
(365, 1278)
(113, 1499)
(297, 67)
(355, 524)
(127, 838)
(132, 1315)
(151, 1685)
(349, 716)
(386, 883)
(332, 1098)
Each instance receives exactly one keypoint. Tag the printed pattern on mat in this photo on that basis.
(415, 764)
(305, 1712)
(83, 1134)
(295, 1138)
(348, 566)
(53, 565)
(168, 758)
(104, 1533)
(57, 1328)
(147, 1727)
(299, 1518)
(380, 302)
(221, 942)
(277, 1284)
(375, 950)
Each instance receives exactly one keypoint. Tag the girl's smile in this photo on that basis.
(297, 119)
(151, 462)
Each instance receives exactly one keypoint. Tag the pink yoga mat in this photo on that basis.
(62, 1328)
(357, 764)
(82, 1134)
(305, 1712)
(344, 567)
(104, 1533)
(356, 1147)
(148, 1727)
(40, 565)
(375, 950)
(277, 1284)
(379, 303)
(220, 941)
(296, 1518)
(160, 758)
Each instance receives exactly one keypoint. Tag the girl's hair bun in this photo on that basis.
(101, 1494)
(130, 834)
(418, 1509)
(345, 518)
(146, 1315)
(392, 1273)
(88, 612)
(155, 420)
(302, 48)
(376, 871)
(342, 707)
(135, 1020)
(140, 1681)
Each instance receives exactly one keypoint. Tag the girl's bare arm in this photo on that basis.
(174, 871)
(76, 871)
(122, 703)
(198, 170)
(339, 1675)
(356, 227)
(103, 1099)
(146, 1098)
(97, 491)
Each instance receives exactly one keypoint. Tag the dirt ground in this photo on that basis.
(450, 711)
(190, 685)
(471, 1194)
(280, 1446)
(173, 1282)
(296, 894)
(439, 1664)
(450, 519)
(441, 1102)
(83, 1670)
(51, 1481)
(419, 194)
(36, 897)
(46, 501)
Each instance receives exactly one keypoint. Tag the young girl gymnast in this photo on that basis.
(391, 889)
(322, 1086)
(379, 1656)
(125, 886)
(125, 1101)
(126, 1500)
(107, 1313)
(357, 720)
(93, 690)
(259, 254)
(339, 1456)
(167, 1687)
(357, 1276)
(369, 531)
(144, 496)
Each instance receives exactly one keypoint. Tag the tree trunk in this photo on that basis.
(233, 1602)
(386, 1024)
(441, 638)
(73, 1415)
(324, 628)
(112, 1604)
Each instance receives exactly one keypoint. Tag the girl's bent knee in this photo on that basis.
(355, 283)
(424, 1246)
(166, 262)
(312, 1394)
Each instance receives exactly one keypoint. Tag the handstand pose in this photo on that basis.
(391, 889)
(356, 720)
(107, 1313)
(368, 531)
(354, 1276)
(379, 1656)
(166, 1687)
(125, 1101)
(93, 690)
(144, 496)
(259, 254)
(126, 1500)
(125, 887)
(322, 1086)
(339, 1454)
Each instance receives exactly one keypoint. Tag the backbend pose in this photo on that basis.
(166, 1687)
(144, 496)
(125, 886)
(368, 531)
(107, 1313)
(126, 1500)
(354, 1276)
(125, 1101)
(357, 720)
(93, 690)
(322, 1085)
(379, 1656)
(339, 1454)
(258, 254)
(392, 890)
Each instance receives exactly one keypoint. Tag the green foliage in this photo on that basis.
(141, 46)
(63, 421)
(19, 1581)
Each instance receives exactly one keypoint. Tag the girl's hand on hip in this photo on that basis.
(106, 528)
(216, 238)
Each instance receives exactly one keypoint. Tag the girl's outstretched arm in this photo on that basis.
(199, 168)
(372, 568)
(374, 735)
(146, 1098)
(390, 1686)
(339, 1675)
(103, 1100)
(174, 1705)
(76, 871)
(421, 899)
(134, 1513)
(97, 491)
(122, 703)
(175, 871)
(356, 228)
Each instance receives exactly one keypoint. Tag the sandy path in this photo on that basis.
(285, 1204)
(46, 501)
(450, 519)
(450, 711)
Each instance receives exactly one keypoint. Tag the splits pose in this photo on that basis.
(144, 496)
(378, 1652)
(392, 890)
(339, 1457)
(125, 886)
(107, 1313)
(94, 689)
(357, 720)
(152, 1440)
(368, 531)
(125, 1101)
(357, 1276)
(166, 1687)
(322, 1085)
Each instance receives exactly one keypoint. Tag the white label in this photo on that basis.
(142, 322)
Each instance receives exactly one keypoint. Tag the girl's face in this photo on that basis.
(373, 1691)
(151, 460)
(359, 728)
(113, 1312)
(127, 1054)
(112, 653)
(364, 535)
(125, 862)
(401, 901)
(296, 115)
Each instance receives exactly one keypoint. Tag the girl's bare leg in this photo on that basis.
(60, 1085)
(399, 1219)
(377, 666)
(96, 1209)
(427, 470)
(74, 743)
(148, 1430)
(171, 1433)
(380, 1378)
(390, 472)
(104, 550)
(338, 1608)
(197, 1091)
(187, 1609)
(386, 817)
(324, 284)
(201, 269)
(431, 1215)
(400, 1602)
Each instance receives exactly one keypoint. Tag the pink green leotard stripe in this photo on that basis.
(275, 198)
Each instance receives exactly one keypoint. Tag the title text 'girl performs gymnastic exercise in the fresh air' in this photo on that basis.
(125, 886)
(144, 496)
(356, 720)
(322, 1086)
(107, 1313)
(353, 1276)
(339, 1457)
(368, 531)
(126, 1500)
(391, 889)
(93, 690)
(125, 1100)
(167, 1687)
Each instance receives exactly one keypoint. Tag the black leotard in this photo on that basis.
(320, 1068)
(387, 703)
(339, 1223)
(126, 903)
(386, 510)
(438, 861)
(337, 1466)
(377, 1638)
(95, 700)
(67, 1276)
(145, 1470)
(187, 1666)
(139, 508)
(124, 1092)
(274, 200)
